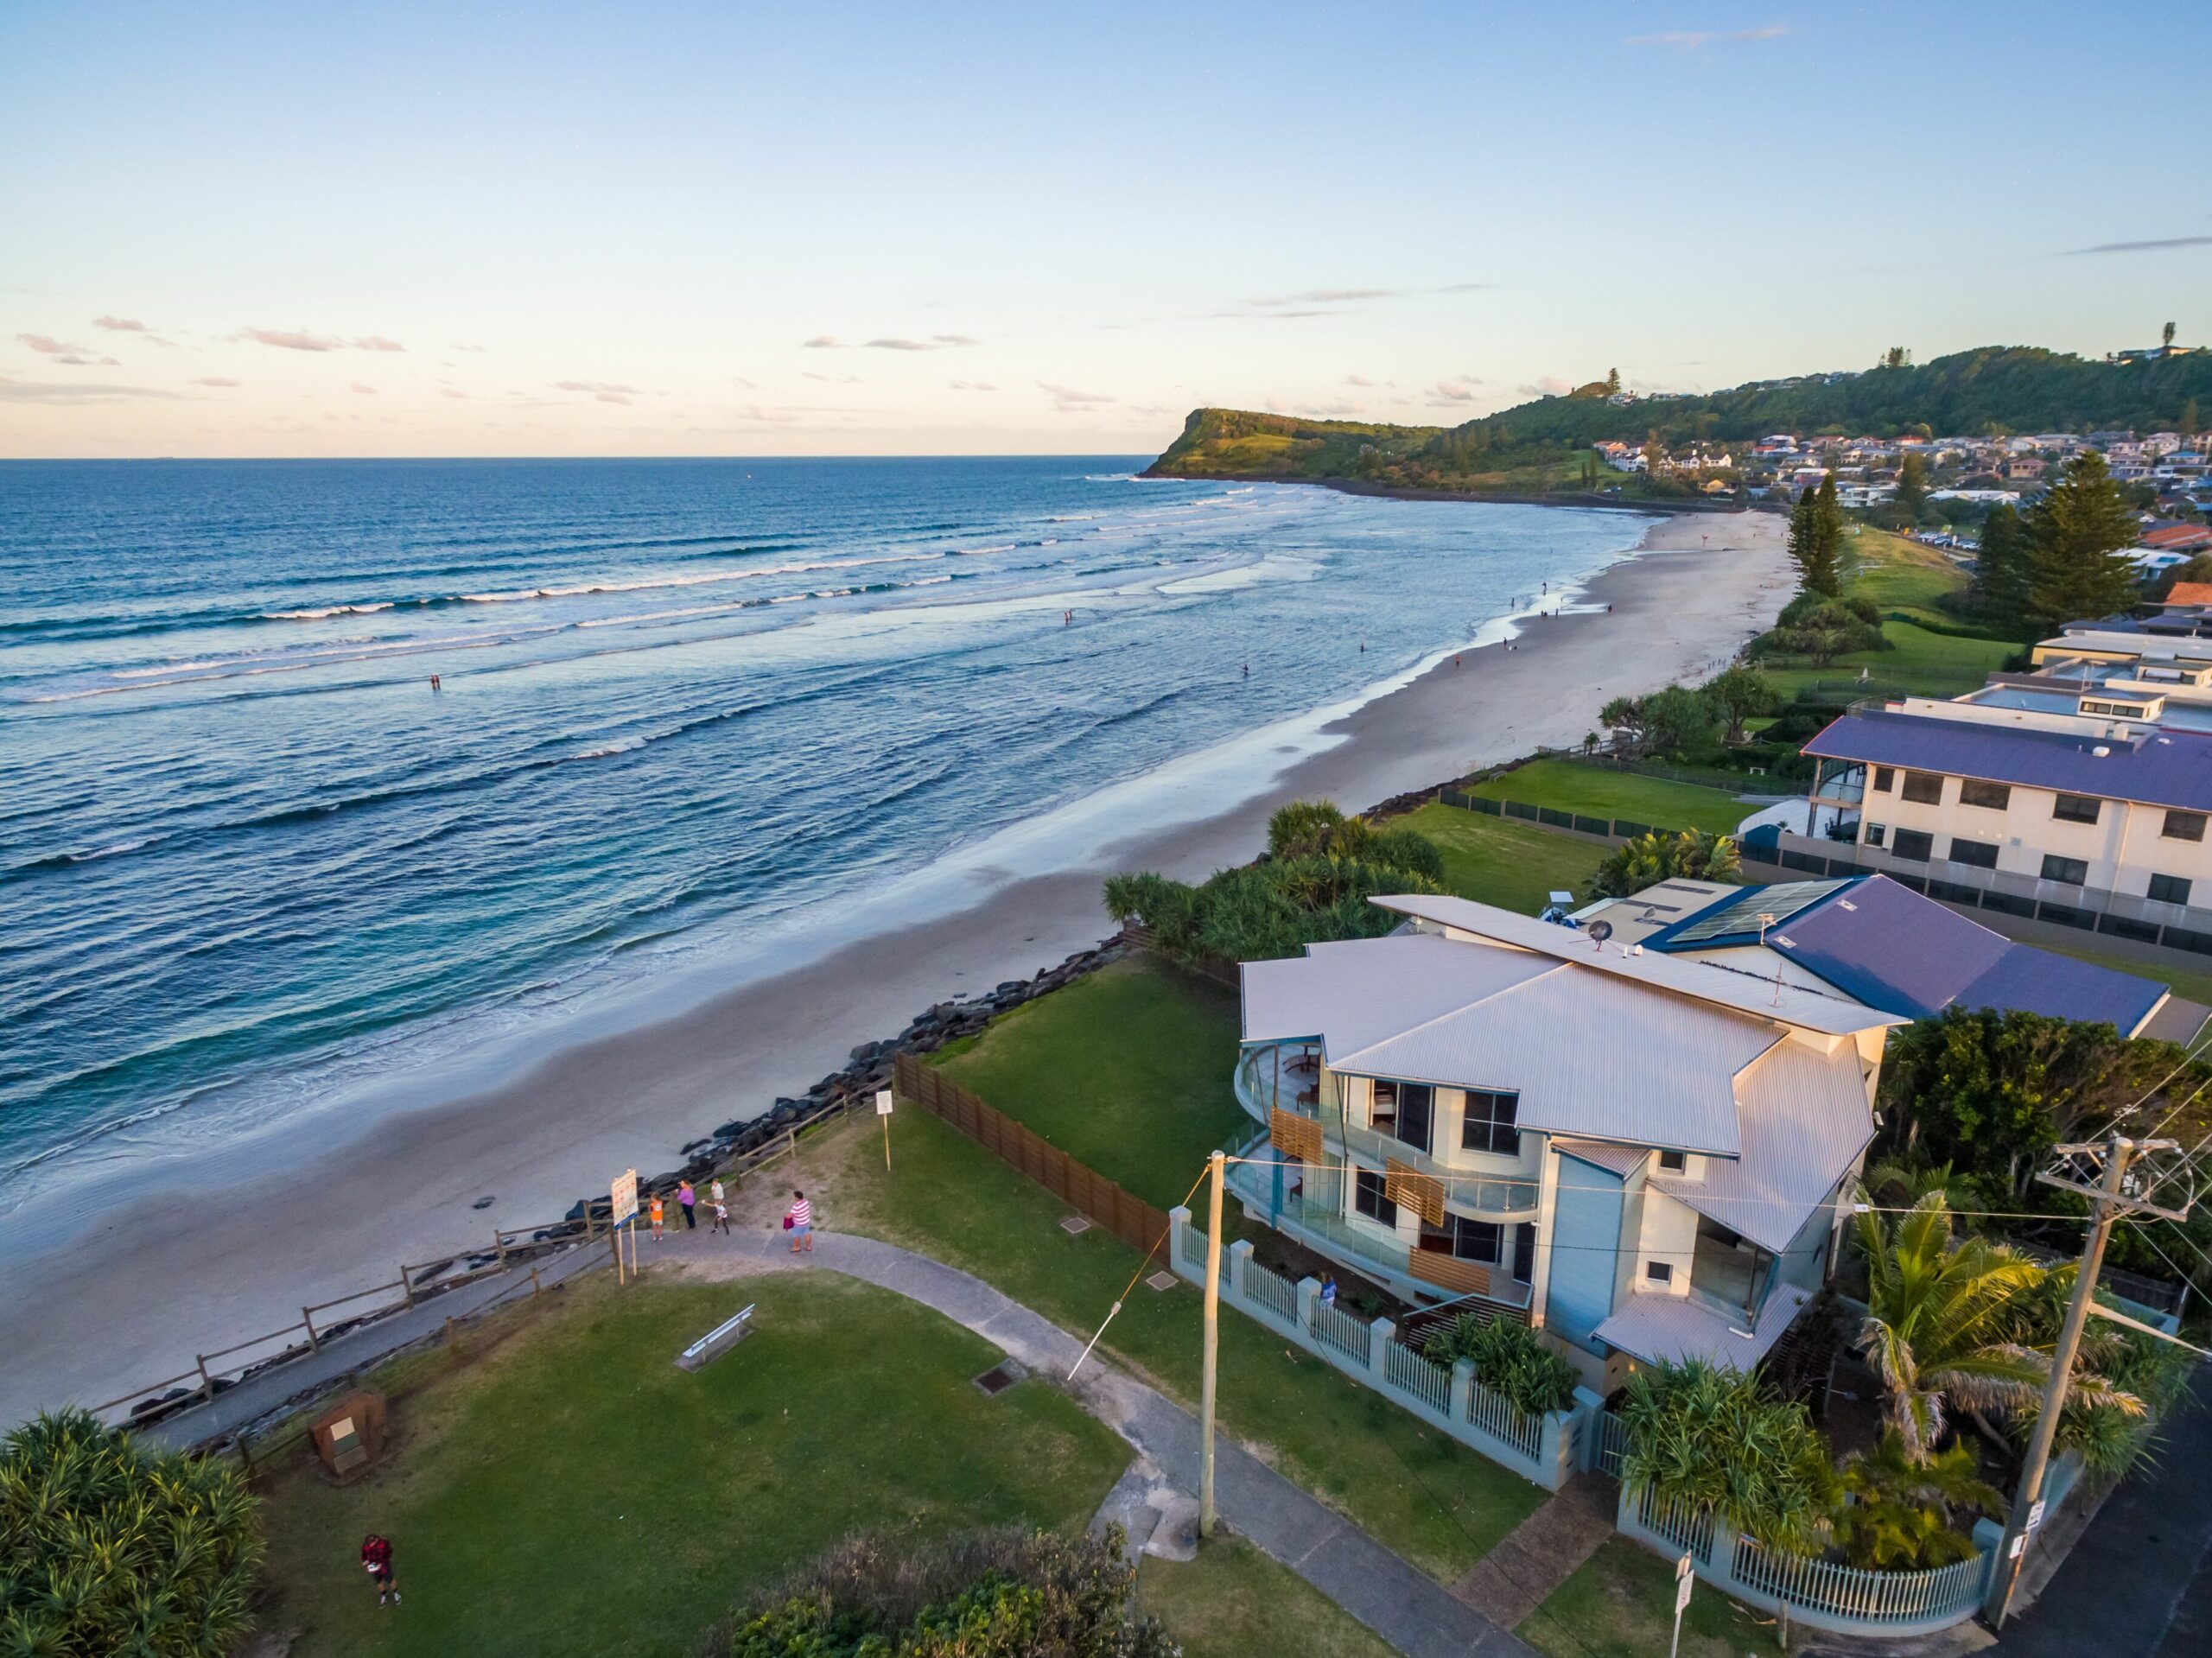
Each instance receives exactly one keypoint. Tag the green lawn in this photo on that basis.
(1425, 1494)
(575, 1492)
(1127, 1071)
(1234, 1602)
(1620, 1604)
(1600, 792)
(1899, 573)
(1502, 860)
(1921, 663)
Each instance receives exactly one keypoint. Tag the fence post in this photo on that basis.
(499, 1244)
(306, 1317)
(1178, 1227)
(1555, 1449)
(1379, 1337)
(406, 1284)
(1463, 1389)
(1720, 1558)
(206, 1381)
(1240, 1260)
(535, 1287)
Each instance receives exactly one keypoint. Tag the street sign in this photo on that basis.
(882, 1102)
(1684, 1570)
(2034, 1514)
(625, 1193)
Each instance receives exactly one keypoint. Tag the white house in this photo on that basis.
(1643, 1155)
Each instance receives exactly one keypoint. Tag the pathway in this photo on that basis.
(1541, 1553)
(1402, 1604)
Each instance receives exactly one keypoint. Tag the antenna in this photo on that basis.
(1766, 920)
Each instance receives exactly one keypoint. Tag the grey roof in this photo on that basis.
(1616, 1159)
(1385, 985)
(1803, 1123)
(2159, 768)
(1703, 981)
(1662, 1329)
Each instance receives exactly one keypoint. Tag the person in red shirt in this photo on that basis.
(376, 1558)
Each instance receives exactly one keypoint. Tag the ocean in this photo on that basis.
(248, 855)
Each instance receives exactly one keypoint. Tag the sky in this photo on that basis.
(466, 229)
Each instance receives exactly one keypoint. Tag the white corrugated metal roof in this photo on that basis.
(1803, 1121)
(1620, 1160)
(1668, 1329)
(1703, 981)
(1356, 992)
(1588, 1055)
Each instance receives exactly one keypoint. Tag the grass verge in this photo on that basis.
(573, 1491)
(1234, 1602)
(1620, 1604)
(1126, 1070)
(1514, 865)
(1600, 792)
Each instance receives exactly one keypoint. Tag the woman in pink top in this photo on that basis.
(800, 1219)
(686, 1196)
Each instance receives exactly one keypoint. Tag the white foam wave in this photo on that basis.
(331, 610)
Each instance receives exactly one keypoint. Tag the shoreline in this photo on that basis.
(168, 1264)
(1689, 506)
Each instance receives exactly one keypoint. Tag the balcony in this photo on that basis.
(1841, 783)
(1308, 1204)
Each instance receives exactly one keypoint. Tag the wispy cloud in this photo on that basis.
(2160, 246)
(1304, 302)
(468, 348)
(1452, 393)
(46, 391)
(604, 391)
(823, 342)
(972, 385)
(454, 392)
(224, 380)
(361, 390)
(1691, 39)
(301, 340)
(935, 342)
(1547, 385)
(1067, 398)
(62, 352)
(1359, 380)
(829, 379)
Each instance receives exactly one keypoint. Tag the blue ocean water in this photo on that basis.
(243, 845)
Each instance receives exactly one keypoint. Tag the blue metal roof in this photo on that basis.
(2160, 768)
(1884, 945)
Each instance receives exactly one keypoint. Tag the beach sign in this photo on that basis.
(882, 1102)
(883, 1110)
(625, 1193)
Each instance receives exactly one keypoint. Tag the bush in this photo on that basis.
(984, 1594)
(107, 1546)
(1712, 1439)
(1509, 1358)
(1693, 853)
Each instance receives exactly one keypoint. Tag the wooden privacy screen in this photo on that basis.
(1131, 1219)
(1296, 1136)
(1422, 1193)
(1449, 1272)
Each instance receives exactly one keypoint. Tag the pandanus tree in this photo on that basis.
(109, 1547)
(1943, 1330)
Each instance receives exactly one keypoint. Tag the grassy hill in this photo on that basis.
(1543, 447)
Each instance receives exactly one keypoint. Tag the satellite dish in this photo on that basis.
(1599, 933)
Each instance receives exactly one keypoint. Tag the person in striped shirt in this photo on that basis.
(800, 1220)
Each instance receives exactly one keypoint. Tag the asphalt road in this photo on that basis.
(2138, 1585)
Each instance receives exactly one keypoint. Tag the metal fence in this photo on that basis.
(1948, 1593)
(1624, 829)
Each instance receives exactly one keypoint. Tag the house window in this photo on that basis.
(1884, 777)
(1402, 1110)
(2168, 889)
(2183, 826)
(2076, 809)
(1368, 1197)
(1488, 1125)
(1982, 854)
(1674, 1162)
(1658, 1271)
(2072, 871)
(1972, 791)
(1876, 833)
(1916, 844)
(1524, 1252)
(1925, 787)
(1475, 1240)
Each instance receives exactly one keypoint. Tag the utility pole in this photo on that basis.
(1217, 1164)
(2108, 1199)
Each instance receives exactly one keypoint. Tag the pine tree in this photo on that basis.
(2075, 535)
(1612, 383)
(1816, 572)
(1912, 486)
(2001, 573)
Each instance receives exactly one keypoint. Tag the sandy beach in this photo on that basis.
(126, 1287)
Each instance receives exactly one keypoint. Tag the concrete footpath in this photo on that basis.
(1402, 1604)
(360, 1349)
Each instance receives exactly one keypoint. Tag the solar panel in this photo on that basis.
(1782, 900)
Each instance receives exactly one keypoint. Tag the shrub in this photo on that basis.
(1904, 1515)
(107, 1546)
(1712, 1439)
(983, 1594)
(1509, 1358)
(1693, 854)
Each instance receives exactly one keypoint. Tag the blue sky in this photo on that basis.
(728, 229)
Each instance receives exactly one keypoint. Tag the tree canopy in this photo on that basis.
(2076, 533)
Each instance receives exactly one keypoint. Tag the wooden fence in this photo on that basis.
(1131, 1219)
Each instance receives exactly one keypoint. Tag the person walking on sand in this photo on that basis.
(656, 1217)
(375, 1559)
(798, 1221)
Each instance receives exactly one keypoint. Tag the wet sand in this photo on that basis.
(128, 1285)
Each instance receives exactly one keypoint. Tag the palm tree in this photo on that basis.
(1901, 1514)
(1943, 1326)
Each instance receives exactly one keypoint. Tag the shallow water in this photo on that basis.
(244, 848)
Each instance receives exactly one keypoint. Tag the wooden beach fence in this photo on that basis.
(1131, 1219)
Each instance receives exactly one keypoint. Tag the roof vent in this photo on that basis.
(2100, 751)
